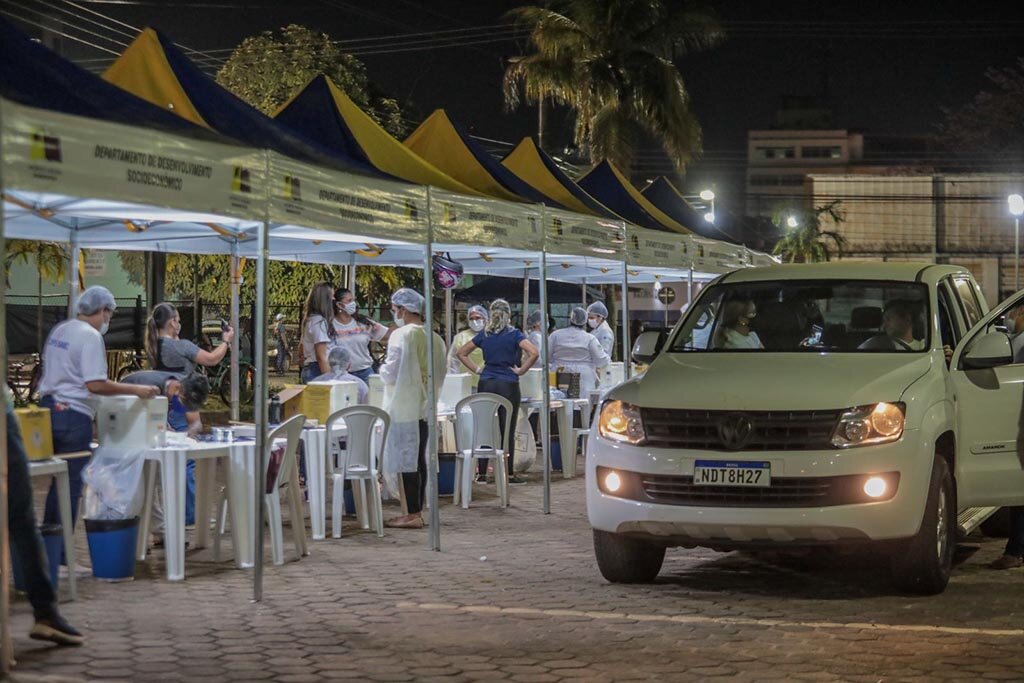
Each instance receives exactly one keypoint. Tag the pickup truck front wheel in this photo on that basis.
(622, 559)
(923, 564)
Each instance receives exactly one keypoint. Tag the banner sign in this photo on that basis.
(50, 152)
(314, 197)
(458, 219)
(574, 234)
(655, 248)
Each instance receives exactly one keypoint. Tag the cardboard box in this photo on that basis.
(36, 432)
(291, 400)
(320, 400)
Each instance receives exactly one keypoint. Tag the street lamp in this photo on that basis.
(709, 196)
(710, 216)
(792, 222)
(1016, 203)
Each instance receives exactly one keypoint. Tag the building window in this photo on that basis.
(828, 152)
(776, 180)
(772, 153)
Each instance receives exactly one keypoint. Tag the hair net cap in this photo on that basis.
(480, 310)
(408, 299)
(578, 316)
(94, 300)
(339, 358)
(597, 308)
(534, 318)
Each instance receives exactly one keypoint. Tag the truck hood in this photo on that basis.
(773, 381)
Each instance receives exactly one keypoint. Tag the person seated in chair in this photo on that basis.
(341, 363)
(898, 329)
(734, 328)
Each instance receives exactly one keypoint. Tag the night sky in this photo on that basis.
(883, 67)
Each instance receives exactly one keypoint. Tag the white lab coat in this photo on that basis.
(576, 350)
(455, 365)
(536, 338)
(604, 334)
(404, 374)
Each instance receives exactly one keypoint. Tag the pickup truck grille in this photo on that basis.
(784, 492)
(714, 430)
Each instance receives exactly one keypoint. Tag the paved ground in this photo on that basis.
(516, 596)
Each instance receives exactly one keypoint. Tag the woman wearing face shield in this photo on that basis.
(75, 370)
(405, 375)
(597, 321)
(573, 349)
(478, 318)
(354, 332)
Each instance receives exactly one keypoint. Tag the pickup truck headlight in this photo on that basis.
(870, 425)
(621, 422)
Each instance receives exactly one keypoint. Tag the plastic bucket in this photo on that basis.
(112, 547)
(446, 474)
(556, 455)
(53, 541)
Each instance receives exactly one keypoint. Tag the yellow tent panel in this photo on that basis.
(525, 161)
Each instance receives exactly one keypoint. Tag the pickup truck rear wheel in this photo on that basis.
(923, 564)
(622, 559)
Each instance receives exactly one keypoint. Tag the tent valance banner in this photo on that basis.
(50, 152)
(718, 257)
(458, 219)
(656, 248)
(574, 234)
(315, 197)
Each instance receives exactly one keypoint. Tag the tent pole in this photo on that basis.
(526, 296)
(689, 288)
(352, 273)
(74, 254)
(259, 397)
(236, 287)
(545, 410)
(428, 327)
(6, 645)
(627, 363)
(448, 317)
(583, 292)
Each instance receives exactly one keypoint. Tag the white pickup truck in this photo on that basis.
(804, 405)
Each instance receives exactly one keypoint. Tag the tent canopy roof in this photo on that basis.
(532, 165)
(607, 183)
(325, 113)
(664, 195)
(446, 145)
(155, 69)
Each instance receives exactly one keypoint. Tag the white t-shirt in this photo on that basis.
(355, 338)
(74, 354)
(736, 340)
(315, 333)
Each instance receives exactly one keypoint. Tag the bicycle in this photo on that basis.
(123, 369)
(219, 377)
(24, 384)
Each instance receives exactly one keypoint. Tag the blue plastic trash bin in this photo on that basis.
(556, 455)
(112, 547)
(53, 541)
(446, 474)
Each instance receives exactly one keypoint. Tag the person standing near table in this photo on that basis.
(405, 377)
(503, 348)
(281, 339)
(597, 321)
(354, 332)
(573, 349)
(477, 317)
(74, 371)
(318, 333)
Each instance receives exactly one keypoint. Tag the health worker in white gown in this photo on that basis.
(573, 349)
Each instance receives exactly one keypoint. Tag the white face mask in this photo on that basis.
(350, 307)
(104, 327)
(399, 321)
(476, 325)
(592, 323)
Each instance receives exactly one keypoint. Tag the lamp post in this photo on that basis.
(1016, 203)
(792, 222)
(709, 196)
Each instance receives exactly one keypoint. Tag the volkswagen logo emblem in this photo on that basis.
(735, 431)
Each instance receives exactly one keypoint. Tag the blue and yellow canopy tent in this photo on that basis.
(323, 112)
(606, 183)
(533, 166)
(446, 145)
(664, 195)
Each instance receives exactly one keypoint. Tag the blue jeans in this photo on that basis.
(363, 374)
(310, 371)
(72, 431)
(1015, 541)
(177, 421)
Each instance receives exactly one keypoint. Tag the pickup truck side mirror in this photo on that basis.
(990, 350)
(646, 347)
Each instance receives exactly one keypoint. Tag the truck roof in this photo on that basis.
(847, 270)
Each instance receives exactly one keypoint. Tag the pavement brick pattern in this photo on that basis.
(516, 596)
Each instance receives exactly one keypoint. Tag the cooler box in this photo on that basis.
(455, 388)
(531, 385)
(36, 432)
(131, 422)
(291, 400)
(612, 375)
(376, 385)
(320, 400)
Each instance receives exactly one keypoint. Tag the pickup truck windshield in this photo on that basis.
(859, 316)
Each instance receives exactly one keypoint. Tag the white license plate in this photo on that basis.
(731, 473)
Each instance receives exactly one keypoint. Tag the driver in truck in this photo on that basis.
(898, 328)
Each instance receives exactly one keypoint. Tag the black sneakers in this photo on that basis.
(56, 630)
(517, 480)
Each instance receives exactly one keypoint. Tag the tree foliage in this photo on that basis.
(992, 124)
(267, 69)
(816, 236)
(611, 62)
(50, 259)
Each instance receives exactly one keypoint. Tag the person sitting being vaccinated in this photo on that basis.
(75, 371)
(185, 396)
(733, 332)
(341, 371)
(573, 349)
(477, 317)
(597, 321)
(406, 399)
(354, 332)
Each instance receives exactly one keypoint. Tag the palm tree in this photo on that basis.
(805, 241)
(611, 62)
(51, 260)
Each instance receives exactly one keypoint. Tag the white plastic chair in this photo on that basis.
(290, 430)
(486, 442)
(358, 463)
